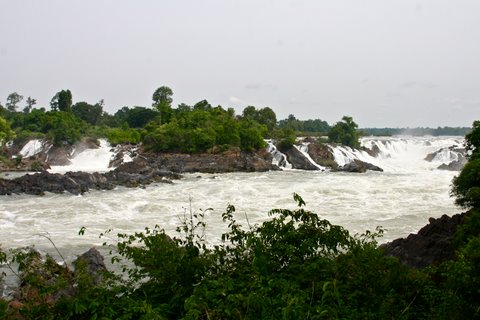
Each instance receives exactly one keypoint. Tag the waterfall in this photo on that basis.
(279, 159)
(89, 160)
(34, 147)
(303, 148)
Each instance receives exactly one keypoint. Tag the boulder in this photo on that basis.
(93, 263)
(358, 166)
(298, 160)
(322, 155)
(432, 245)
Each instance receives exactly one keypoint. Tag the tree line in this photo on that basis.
(162, 127)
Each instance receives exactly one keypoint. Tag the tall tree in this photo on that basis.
(30, 103)
(466, 186)
(65, 100)
(12, 100)
(54, 102)
(162, 101)
(89, 113)
(62, 101)
(345, 132)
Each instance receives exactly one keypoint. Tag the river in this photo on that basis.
(400, 199)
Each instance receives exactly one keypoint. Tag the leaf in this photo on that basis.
(298, 199)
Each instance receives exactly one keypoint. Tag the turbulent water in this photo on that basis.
(400, 199)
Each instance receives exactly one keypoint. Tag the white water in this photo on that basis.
(401, 199)
(34, 147)
(89, 160)
(303, 148)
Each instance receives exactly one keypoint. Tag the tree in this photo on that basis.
(466, 186)
(345, 132)
(265, 116)
(12, 100)
(162, 101)
(54, 102)
(6, 133)
(62, 101)
(65, 100)
(30, 103)
(90, 113)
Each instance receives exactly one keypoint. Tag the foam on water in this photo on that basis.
(89, 160)
(34, 147)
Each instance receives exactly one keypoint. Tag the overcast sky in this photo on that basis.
(384, 62)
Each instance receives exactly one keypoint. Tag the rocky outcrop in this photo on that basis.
(298, 160)
(129, 175)
(123, 153)
(358, 166)
(432, 245)
(229, 161)
(39, 271)
(93, 263)
(456, 165)
(453, 166)
(322, 155)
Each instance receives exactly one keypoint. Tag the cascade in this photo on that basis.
(89, 160)
(279, 159)
(34, 147)
(303, 148)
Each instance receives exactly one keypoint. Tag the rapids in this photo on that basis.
(400, 199)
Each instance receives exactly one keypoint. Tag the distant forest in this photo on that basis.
(440, 131)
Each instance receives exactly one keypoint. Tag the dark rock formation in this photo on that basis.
(454, 165)
(120, 152)
(297, 159)
(80, 182)
(229, 161)
(373, 152)
(358, 166)
(93, 263)
(322, 155)
(432, 245)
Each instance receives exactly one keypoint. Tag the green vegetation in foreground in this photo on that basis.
(294, 266)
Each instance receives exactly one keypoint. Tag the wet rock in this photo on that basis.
(358, 166)
(93, 263)
(322, 155)
(229, 161)
(297, 159)
(454, 165)
(373, 152)
(432, 245)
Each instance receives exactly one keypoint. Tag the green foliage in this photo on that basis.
(6, 133)
(466, 186)
(162, 101)
(420, 131)
(265, 116)
(202, 128)
(136, 117)
(307, 126)
(65, 101)
(285, 138)
(293, 266)
(12, 100)
(345, 132)
(87, 112)
(251, 135)
(121, 136)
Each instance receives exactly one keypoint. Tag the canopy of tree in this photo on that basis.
(345, 132)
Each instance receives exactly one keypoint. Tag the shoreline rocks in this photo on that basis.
(432, 245)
